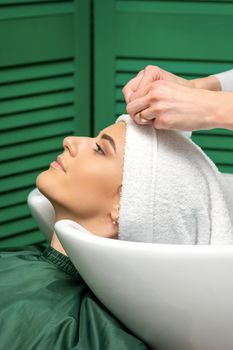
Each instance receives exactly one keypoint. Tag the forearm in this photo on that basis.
(223, 101)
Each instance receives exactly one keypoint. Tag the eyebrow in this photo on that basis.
(110, 139)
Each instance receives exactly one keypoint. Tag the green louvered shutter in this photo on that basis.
(44, 96)
(189, 38)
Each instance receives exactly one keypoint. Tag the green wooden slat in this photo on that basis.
(27, 149)
(19, 166)
(13, 12)
(17, 227)
(171, 1)
(15, 197)
(134, 65)
(220, 157)
(36, 132)
(36, 87)
(123, 78)
(29, 238)
(120, 108)
(104, 63)
(15, 212)
(36, 117)
(119, 95)
(37, 39)
(225, 168)
(176, 7)
(34, 102)
(41, 70)
(16, 182)
(217, 131)
(215, 142)
(200, 32)
(23, 2)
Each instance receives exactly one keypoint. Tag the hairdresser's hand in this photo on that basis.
(143, 84)
(175, 106)
(146, 77)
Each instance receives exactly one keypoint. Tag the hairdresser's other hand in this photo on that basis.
(175, 106)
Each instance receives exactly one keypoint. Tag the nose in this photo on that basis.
(70, 143)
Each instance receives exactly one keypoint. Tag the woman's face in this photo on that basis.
(86, 186)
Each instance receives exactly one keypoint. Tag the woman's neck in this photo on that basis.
(55, 243)
(94, 225)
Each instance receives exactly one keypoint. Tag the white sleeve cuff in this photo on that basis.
(226, 80)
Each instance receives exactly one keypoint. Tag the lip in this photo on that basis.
(60, 162)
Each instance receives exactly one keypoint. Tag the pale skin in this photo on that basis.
(170, 102)
(86, 188)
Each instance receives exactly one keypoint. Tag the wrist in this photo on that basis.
(208, 83)
(224, 110)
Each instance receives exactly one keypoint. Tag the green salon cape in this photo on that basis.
(46, 305)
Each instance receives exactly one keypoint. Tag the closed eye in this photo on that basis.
(99, 149)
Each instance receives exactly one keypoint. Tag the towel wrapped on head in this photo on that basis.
(171, 191)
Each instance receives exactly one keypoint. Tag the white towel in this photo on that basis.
(171, 191)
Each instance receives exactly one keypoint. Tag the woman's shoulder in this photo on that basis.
(45, 280)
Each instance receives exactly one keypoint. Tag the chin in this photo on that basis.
(47, 186)
(43, 184)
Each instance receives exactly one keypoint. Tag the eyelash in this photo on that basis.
(99, 149)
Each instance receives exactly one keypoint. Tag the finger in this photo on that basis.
(128, 89)
(147, 78)
(131, 86)
(146, 116)
(137, 105)
(140, 92)
(139, 120)
(158, 124)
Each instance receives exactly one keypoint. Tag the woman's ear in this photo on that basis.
(116, 207)
(115, 213)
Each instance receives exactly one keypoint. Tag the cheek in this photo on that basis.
(94, 180)
(94, 185)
